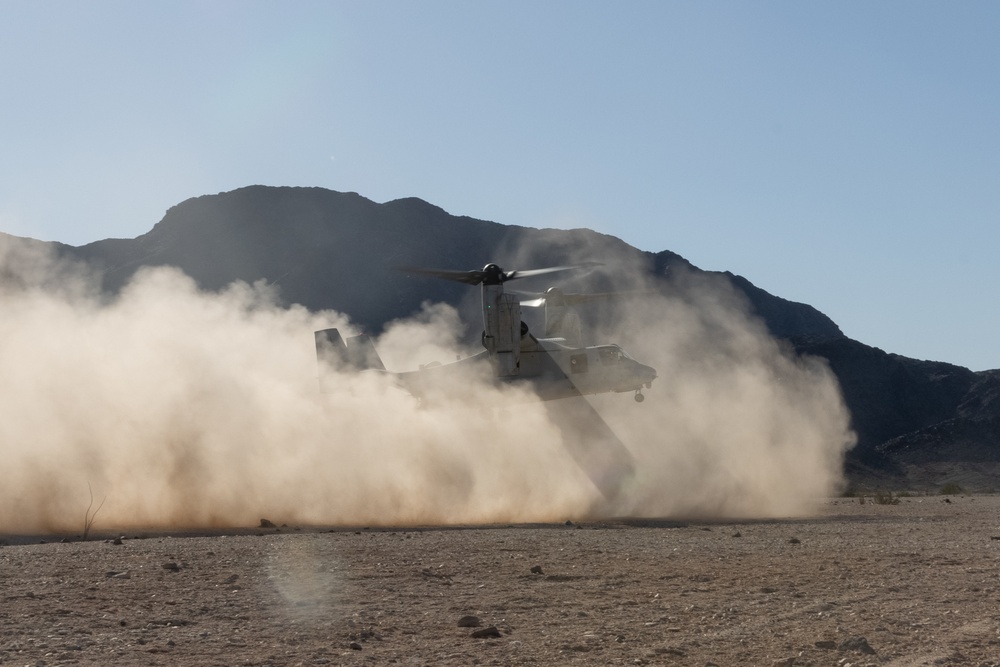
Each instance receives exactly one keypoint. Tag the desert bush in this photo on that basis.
(885, 498)
(950, 489)
(88, 518)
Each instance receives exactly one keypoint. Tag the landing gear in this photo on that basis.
(639, 398)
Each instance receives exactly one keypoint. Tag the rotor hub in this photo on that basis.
(493, 275)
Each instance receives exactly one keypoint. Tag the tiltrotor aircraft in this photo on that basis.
(554, 368)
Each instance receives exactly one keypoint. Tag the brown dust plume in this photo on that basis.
(185, 409)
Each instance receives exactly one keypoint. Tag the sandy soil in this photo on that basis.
(916, 583)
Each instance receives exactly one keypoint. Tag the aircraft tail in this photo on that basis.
(361, 353)
(356, 353)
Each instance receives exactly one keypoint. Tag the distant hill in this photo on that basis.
(321, 247)
(924, 421)
(332, 250)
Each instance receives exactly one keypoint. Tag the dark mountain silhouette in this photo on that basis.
(328, 249)
(910, 413)
(332, 250)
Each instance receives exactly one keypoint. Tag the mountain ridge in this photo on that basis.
(317, 245)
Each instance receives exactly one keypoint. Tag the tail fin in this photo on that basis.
(362, 355)
(356, 353)
(330, 348)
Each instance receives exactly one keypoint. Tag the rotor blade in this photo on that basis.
(467, 277)
(514, 275)
(593, 445)
(560, 298)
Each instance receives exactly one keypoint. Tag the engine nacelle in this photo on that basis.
(502, 324)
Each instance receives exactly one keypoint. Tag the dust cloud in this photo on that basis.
(178, 408)
(736, 423)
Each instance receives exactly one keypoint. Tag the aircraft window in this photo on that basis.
(609, 355)
(578, 363)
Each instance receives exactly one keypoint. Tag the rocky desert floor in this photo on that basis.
(916, 583)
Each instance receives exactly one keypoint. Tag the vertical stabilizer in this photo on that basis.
(331, 353)
(330, 348)
(361, 354)
(334, 352)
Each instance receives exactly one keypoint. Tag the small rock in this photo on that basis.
(469, 622)
(484, 633)
(826, 644)
(568, 523)
(231, 579)
(171, 566)
(355, 646)
(737, 534)
(536, 569)
(795, 540)
(858, 644)
(264, 523)
(117, 541)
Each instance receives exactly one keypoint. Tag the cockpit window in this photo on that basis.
(611, 354)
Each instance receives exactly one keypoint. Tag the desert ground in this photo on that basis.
(856, 583)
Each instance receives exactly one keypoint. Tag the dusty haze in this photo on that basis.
(184, 409)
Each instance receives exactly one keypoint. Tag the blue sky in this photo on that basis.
(841, 154)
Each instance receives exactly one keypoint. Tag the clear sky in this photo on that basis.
(841, 154)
